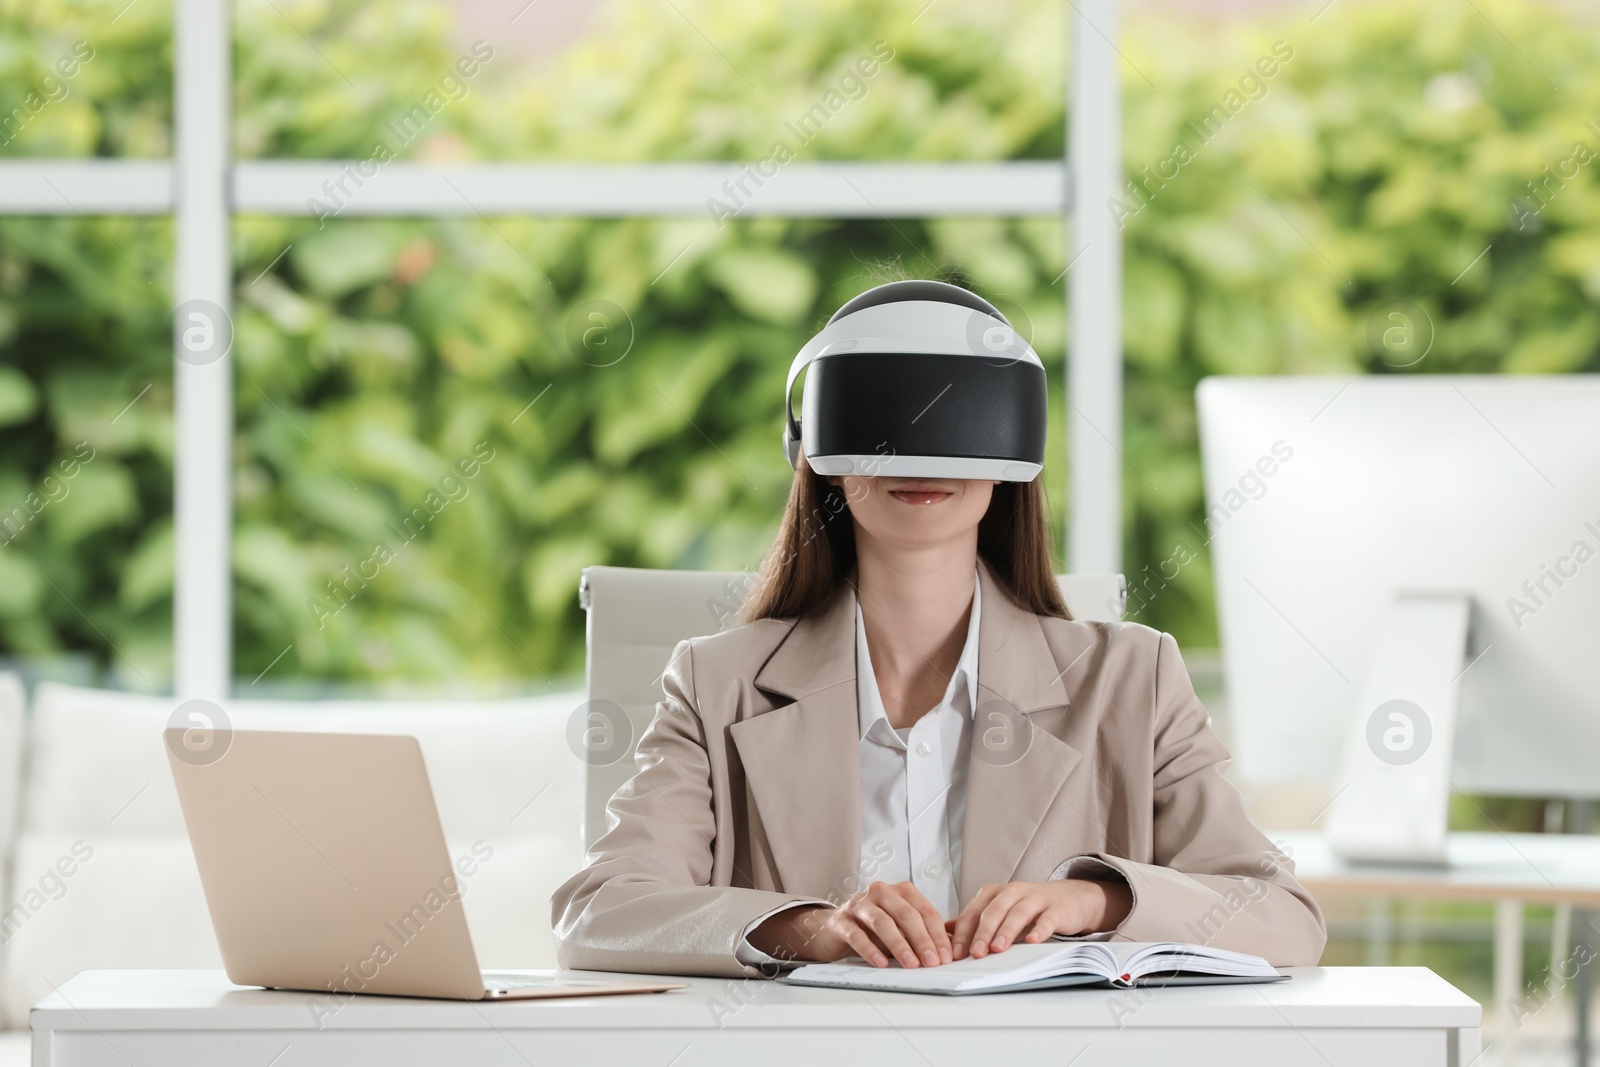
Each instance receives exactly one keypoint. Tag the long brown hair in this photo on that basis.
(815, 549)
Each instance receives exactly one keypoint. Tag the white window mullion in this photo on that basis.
(1094, 293)
(203, 500)
(85, 186)
(332, 188)
(307, 187)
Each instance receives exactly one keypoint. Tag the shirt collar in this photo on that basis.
(869, 701)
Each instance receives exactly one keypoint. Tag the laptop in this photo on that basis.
(325, 869)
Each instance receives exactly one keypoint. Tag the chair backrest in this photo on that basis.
(637, 616)
(13, 703)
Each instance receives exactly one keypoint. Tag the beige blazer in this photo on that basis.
(1089, 741)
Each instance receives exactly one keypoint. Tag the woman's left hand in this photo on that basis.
(1002, 914)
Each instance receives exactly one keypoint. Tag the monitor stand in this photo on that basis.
(1392, 798)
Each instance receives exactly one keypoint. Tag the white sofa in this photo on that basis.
(99, 870)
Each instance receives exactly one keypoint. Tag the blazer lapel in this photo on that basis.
(1018, 764)
(802, 760)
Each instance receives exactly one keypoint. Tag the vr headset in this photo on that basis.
(919, 379)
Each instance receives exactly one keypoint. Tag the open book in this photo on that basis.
(1051, 964)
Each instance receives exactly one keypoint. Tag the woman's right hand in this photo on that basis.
(882, 920)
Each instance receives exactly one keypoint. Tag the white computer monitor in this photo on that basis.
(1349, 519)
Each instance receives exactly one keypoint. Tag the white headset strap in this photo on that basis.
(791, 425)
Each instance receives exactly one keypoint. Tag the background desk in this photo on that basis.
(1325, 1017)
(1508, 869)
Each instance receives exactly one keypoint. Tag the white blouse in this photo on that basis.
(914, 779)
(913, 785)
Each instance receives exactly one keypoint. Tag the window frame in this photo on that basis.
(202, 188)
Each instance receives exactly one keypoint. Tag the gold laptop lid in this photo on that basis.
(324, 864)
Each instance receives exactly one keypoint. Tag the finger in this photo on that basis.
(882, 924)
(913, 926)
(1022, 913)
(933, 923)
(966, 924)
(863, 944)
(1051, 920)
(990, 921)
(957, 950)
(937, 931)
(909, 923)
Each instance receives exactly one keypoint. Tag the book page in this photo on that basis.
(1137, 958)
(1018, 963)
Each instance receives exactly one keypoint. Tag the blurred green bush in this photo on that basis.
(375, 357)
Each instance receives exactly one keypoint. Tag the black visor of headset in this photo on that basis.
(925, 404)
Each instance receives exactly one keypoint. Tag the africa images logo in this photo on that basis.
(1541, 589)
(851, 85)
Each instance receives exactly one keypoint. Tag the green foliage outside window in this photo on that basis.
(377, 361)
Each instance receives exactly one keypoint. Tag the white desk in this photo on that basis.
(1324, 1017)
(1508, 869)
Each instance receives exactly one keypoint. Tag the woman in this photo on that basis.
(909, 751)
